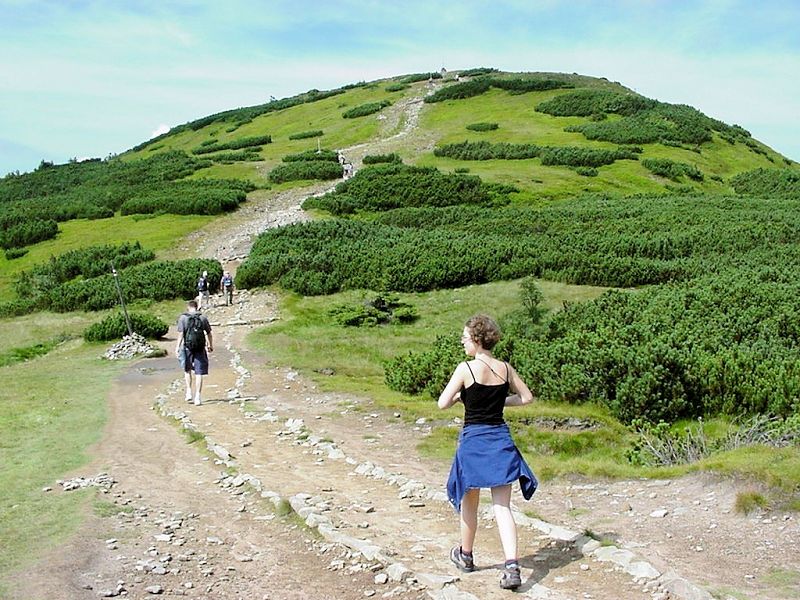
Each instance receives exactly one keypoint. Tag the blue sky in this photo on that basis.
(82, 78)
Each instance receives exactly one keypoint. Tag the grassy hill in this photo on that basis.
(471, 178)
(643, 258)
(518, 122)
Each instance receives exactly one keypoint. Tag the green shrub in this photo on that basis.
(487, 151)
(17, 307)
(460, 91)
(573, 156)
(415, 77)
(480, 85)
(396, 87)
(643, 120)
(13, 253)
(477, 71)
(246, 142)
(482, 126)
(375, 311)
(248, 155)
(584, 103)
(671, 169)
(27, 233)
(586, 171)
(374, 159)
(321, 154)
(576, 156)
(531, 298)
(425, 372)
(88, 262)
(783, 183)
(384, 187)
(306, 134)
(355, 315)
(362, 110)
(198, 197)
(114, 327)
(523, 85)
(161, 280)
(305, 169)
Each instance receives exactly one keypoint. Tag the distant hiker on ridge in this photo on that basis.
(194, 340)
(486, 456)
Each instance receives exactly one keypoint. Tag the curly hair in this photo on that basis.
(483, 331)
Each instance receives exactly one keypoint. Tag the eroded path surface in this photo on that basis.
(369, 517)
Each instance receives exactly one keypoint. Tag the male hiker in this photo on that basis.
(194, 337)
(226, 284)
(203, 292)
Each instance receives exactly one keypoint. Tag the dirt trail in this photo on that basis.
(376, 522)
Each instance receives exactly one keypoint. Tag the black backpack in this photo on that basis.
(194, 334)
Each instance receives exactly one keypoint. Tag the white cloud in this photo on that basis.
(160, 130)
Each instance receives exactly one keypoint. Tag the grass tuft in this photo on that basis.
(747, 502)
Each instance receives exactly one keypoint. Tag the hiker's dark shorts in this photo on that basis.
(197, 361)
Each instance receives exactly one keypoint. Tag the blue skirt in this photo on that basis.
(487, 457)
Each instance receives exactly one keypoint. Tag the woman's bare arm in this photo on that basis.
(522, 395)
(451, 393)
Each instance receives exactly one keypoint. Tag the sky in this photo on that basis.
(81, 78)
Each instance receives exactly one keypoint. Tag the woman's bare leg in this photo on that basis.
(469, 519)
(501, 502)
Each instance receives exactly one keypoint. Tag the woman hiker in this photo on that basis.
(486, 456)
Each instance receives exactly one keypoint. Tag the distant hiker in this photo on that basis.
(226, 286)
(340, 157)
(348, 170)
(486, 456)
(203, 293)
(194, 341)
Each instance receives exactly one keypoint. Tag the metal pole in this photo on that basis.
(121, 299)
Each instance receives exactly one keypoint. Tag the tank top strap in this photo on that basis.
(470, 372)
(507, 372)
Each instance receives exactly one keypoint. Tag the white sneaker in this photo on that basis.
(188, 397)
(197, 401)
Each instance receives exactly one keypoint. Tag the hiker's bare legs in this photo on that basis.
(198, 388)
(469, 519)
(188, 377)
(501, 502)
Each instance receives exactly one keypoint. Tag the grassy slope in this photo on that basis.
(324, 114)
(446, 121)
(157, 233)
(47, 422)
(520, 123)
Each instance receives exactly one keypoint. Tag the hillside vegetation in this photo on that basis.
(478, 177)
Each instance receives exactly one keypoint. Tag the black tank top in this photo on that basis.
(483, 404)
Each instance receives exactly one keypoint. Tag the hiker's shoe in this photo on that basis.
(510, 578)
(188, 397)
(197, 401)
(461, 560)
